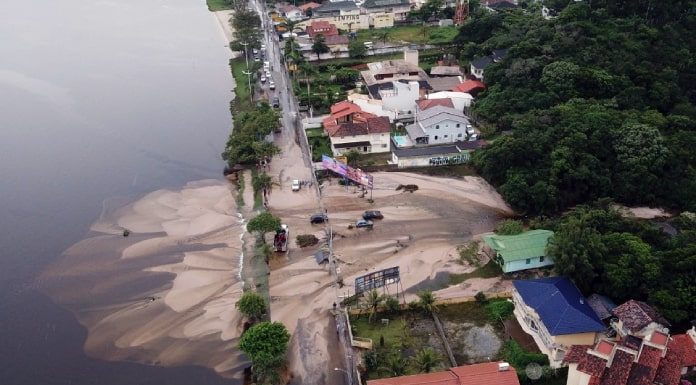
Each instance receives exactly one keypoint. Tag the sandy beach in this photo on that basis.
(165, 294)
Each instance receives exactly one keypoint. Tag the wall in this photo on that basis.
(523, 265)
(344, 22)
(381, 20)
(376, 142)
(459, 102)
(576, 377)
(446, 127)
(575, 339)
(431, 160)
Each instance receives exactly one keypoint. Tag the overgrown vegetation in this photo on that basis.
(626, 258)
(305, 240)
(600, 101)
(489, 270)
(266, 344)
(468, 254)
(499, 310)
(262, 224)
(252, 305)
(519, 358)
(509, 227)
(246, 144)
(219, 5)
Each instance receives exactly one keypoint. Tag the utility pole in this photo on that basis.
(251, 91)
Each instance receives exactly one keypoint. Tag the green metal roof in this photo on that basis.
(521, 246)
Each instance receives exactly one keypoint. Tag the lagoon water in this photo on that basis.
(100, 101)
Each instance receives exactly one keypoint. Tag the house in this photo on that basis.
(336, 8)
(444, 83)
(368, 136)
(460, 100)
(350, 128)
(405, 155)
(339, 42)
(553, 311)
(655, 359)
(520, 252)
(687, 342)
(438, 125)
(424, 104)
(637, 318)
(321, 28)
(381, 20)
(478, 65)
(308, 8)
(399, 8)
(290, 12)
(492, 373)
(373, 106)
(391, 70)
(471, 86)
(446, 71)
(400, 98)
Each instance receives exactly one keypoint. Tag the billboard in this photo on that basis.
(377, 279)
(342, 169)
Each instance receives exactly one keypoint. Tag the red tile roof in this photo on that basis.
(592, 365)
(321, 27)
(370, 125)
(336, 39)
(659, 338)
(468, 86)
(686, 344)
(669, 371)
(477, 374)
(424, 104)
(643, 372)
(636, 315)
(312, 5)
(605, 347)
(575, 353)
(620, 369)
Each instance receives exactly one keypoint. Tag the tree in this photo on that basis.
(357, 49)
(394, 365)
(352, 157)
(263, 223)
(252, 305)
(431, 9)
(426, 359)
(347, 76)
(319, 47)
(383, 35)
(373, 300)
(261, 182)
(560, 78)
(426, 301)
(509, 227)
(266, 345)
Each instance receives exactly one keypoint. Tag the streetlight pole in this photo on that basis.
(251, 92)
(246, 54)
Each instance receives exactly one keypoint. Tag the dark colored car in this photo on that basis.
(374, 214)
(318, 218)
(276, 102)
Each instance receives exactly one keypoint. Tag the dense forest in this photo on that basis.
(597, 102)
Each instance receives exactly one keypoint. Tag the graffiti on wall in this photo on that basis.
(445, 160)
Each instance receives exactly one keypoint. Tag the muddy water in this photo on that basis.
(98, 99)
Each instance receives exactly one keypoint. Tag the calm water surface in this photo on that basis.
(98, 99)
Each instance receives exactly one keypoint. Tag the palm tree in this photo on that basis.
(383, 35)
(394, 365)
(426, 301)
(373, 300)
(426, 359)
(262, 182)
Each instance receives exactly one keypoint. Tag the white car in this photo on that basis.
(271, 85)
(295, 185)
(266, 65)
(263, 46)
(268, 74)
(470, 129)
(263, 79)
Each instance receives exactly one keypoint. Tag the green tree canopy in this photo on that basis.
(263, 223)
(319, 46)
(509, 227)
(426, 359)
(426, 301)
(252, 305)
(266, 344)
(357, 49)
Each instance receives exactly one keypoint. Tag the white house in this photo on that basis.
(438, 125)
(370, 136)
(399, 8)
(459, 99)
(373, 106)
(401, 98)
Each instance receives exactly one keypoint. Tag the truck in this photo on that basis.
(279, 127)
(280, 240)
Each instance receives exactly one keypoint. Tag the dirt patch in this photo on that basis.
(471, 344)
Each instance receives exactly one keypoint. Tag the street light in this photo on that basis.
(251, 92)
(246, 54)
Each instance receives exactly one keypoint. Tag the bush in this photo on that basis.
(392, 305)
(304, 240)
(499, 310)
(513, 353)
(481, 298)
(509, 227)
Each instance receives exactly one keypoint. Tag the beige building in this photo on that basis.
(381, 20)
(554, 312)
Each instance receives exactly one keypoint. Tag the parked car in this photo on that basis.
(266, 65)
(263, 78)
(373, 214)
(276, 102)
(363, 223)
(473, 138)
(256, 51)
(267, 73)
(318, 218)
(263, 46)
(295, 185)
(257, 59)
(271, 85)
(470, 129)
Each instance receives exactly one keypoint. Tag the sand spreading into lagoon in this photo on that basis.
(165, 294)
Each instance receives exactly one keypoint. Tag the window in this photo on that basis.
(445, 136)
(528, 261)
(384, 146)
(459, 135)
(435, 137)
(458, 125)
(365, 149)
(541, 259)
(437, 127)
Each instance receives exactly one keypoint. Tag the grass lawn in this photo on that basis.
(258, 197)
(314, 132)
(489, 270)
(394, 333)
(417, 34)
(219, 5)
(241, 90)
(465, 311)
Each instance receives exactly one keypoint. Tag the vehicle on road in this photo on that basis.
(363, 223)
(318, 218)
(271, 85)
(263, 78)
(256, 51)
(266, 65)
(280, 240)
(470, 129)
(295, 185)
(279, 127)
(372, 214)
(263, 46)
(276, 102)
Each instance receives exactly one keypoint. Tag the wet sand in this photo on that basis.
(165, 294)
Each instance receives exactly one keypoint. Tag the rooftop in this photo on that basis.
(481, 62)
(385, 3)
(446, 71)
(519, 247)
(601, 305)
(448, 149)
(468, 86)
(559, 304)
(636, 315)
(371, 125)
(477, 374)
(437, 113)
(335, 6)
(424, 104)
(688, 348)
